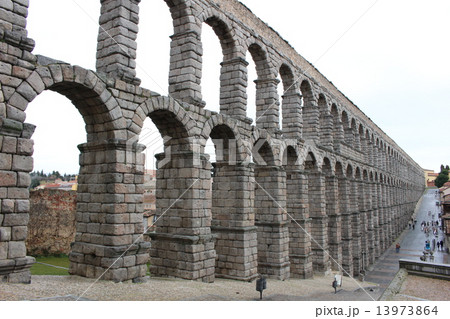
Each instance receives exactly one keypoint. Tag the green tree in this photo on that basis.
(442, 177)
(34, 183)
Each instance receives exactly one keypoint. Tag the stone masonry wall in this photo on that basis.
(51, 228)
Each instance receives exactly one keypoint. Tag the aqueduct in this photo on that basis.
(326, 189)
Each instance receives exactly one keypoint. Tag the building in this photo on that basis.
(149, 200)
(430, 177)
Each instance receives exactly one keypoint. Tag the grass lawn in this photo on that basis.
(60, 261)
(40, 269)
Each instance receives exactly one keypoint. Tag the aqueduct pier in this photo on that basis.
(325, 189)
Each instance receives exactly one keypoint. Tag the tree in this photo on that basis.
(34, 183)
(442, 177)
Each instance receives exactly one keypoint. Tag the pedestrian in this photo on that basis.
(442, 244)
(397, 247)
(413, 226)
(409, 224)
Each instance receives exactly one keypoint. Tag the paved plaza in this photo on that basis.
(319, 288)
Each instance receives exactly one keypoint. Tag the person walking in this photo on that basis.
(397, 248)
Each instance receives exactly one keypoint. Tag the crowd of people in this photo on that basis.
(432, 229)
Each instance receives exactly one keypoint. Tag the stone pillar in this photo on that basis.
(233, 88)
(16, 149)
(182, 245)
(109, 229)
(300, 225)
(233, 222)
(363, 212)
(334, 221)
(381, 218)
(357, 139)
(326, 130)
(349, 136)
(319, 227)
(272, 222)
(376, 222)
(292, 115)
(267, 104)
(311, 122)
(371, 217)
(186, 66)
(13, 19)
(116, 43)
(356, 227)
(338, 134)
(346, 225)
(387, 221)
(390, 214)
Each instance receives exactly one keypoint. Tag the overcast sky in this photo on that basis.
(390, 57)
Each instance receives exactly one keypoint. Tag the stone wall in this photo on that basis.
(51, 229)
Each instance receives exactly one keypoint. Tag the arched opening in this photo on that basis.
(267, 103)
(183, 205)
(153, 48)
(310, 113)
(101, 128)
(59, 130)
(45, 24)
(214, 39)
(291, 119)
(151, 138)
(252, 76)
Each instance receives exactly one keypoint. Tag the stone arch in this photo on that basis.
(223, 29)
(267, 100)
(290, 155)
(310, 113)
(289, 151)
(89, 94)
(178, 8)
(164, 106)
(219, 127)
(349, 171)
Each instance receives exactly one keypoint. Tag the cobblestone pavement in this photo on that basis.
(71, 287)
(317, 289)
(412, 244)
